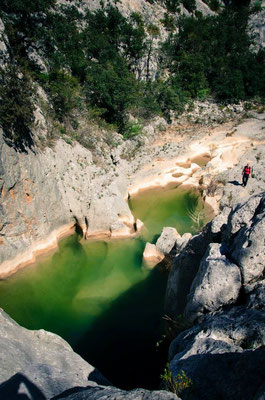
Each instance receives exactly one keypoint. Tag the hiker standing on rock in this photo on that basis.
(246, 173)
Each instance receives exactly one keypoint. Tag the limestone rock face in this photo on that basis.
(224, 355)
(167, 240)
(242, 215)
(219, 223)
(184, 269)
(248, 250)
(45, 193)
(216, 284)
(182, 241)
(224, 297)
(257, 23)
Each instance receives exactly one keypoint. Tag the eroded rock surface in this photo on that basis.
(167, 240)
(224, 297)
(216, 284)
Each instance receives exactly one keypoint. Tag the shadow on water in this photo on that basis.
(122, 342)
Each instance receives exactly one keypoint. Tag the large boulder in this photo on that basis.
(248, 249)
(183, 271)
(242, 215)
(151, 255)
(167, 240)
(223, 357)
(216, 284)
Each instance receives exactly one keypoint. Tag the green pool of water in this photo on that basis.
(100, 298)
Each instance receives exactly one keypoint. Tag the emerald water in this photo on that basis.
(100, 298)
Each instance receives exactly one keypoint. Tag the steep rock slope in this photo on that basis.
(45, 193)
(217, 285)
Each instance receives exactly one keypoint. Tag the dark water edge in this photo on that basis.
(123, 342)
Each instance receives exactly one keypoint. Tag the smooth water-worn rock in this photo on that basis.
(151, 255)
(44, 194)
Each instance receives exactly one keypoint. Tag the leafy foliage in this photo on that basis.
(91, 61)
(178, 384)
(16, 104)
(214, 54)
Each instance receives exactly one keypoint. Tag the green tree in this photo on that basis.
(16, 104)
(113, 88)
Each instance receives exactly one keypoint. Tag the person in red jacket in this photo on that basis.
(246, 173)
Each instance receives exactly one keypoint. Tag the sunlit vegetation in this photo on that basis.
(97, 62)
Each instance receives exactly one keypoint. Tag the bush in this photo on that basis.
(132, 129)
(178, 384)
(111, 87)
(64, 92)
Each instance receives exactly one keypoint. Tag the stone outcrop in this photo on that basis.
(167, 240)
(257, 24)
(40, 359)
(99, 393)
(151, 255)
(41, 365)
(217, 283)
(223, 296)
(45, 194)
(223, 356)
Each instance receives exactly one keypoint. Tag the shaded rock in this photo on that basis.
(139, 225)
(167, 240)
(98, 393)
(257, 297)
(41, 365)
(40, 360)
(219, 223)
(242, 215)
(230, 337)
(182, 241)
(248, 249)
(183, 271)
(208, 353)
(216, 284)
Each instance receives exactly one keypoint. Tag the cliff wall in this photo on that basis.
(217, 288)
